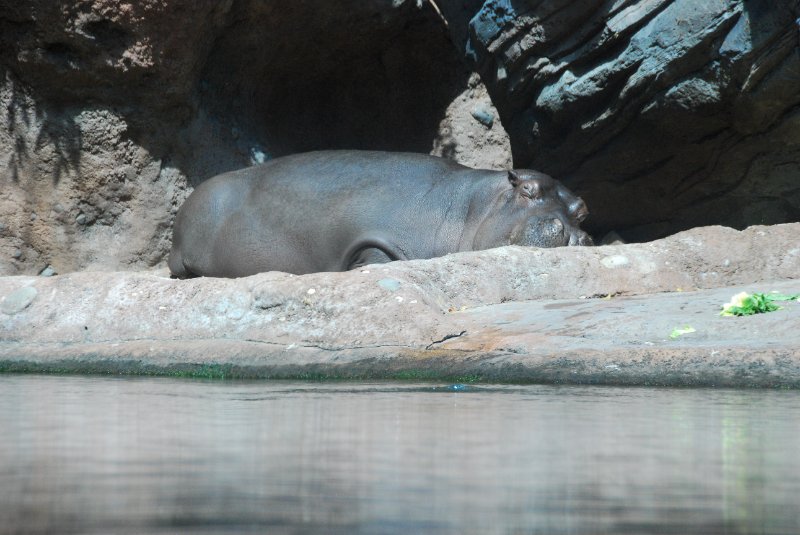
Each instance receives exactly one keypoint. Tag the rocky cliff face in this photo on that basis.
(663, 114)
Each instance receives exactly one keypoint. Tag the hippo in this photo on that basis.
(339, 210)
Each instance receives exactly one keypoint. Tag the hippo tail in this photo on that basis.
(371, 250)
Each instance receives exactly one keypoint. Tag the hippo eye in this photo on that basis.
(531, 190)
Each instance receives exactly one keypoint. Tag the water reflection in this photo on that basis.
(96, 455)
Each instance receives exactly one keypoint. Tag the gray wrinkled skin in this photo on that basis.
(338, 210)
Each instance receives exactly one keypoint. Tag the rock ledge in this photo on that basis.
(599, 315)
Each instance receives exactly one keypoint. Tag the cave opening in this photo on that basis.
(336, 75)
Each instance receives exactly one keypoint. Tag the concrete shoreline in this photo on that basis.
(511, 315)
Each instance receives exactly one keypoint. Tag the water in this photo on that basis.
(107, 455)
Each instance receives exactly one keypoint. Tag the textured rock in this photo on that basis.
(77, 191)
(114, 52)
(600, 315)
(464, 138)
(110, 110)
(87, 90)
(662, 114)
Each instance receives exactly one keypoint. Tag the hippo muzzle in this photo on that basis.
(551, 214)
(549, 232)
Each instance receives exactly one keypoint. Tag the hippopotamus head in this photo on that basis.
(551, 214)
(537, 211)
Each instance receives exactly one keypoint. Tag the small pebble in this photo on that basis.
(81, 219)
(389, 284)
(615, 261)
(257, 156)
(502, 74)
(483, 116)
(311, 291)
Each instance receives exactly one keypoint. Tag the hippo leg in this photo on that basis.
(369, 256)
(371, 251)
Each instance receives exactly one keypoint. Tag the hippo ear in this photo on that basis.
(578, 209)
(514, 178)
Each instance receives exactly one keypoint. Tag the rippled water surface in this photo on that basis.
(105, 455)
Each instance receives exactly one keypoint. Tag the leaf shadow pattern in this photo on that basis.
(35, 129)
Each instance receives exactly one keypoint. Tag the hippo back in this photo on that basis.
(308, 212)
